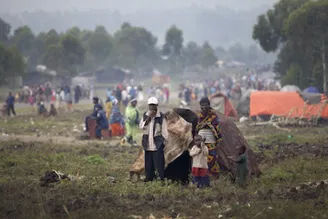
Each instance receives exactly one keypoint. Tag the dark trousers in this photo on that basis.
(154, 160)
(11, 108)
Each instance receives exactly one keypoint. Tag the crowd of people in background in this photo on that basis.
(231, 87)
(162, 93)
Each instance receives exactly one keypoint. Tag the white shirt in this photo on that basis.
(150, 130)
(199, 156)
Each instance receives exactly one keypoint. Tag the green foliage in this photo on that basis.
(208, 57)
(297, 29)
(73, 54)
(100, 45)
(53, 57)
(173, 41)
(292, 75)
(129, 47)
(5, 31)
(134, 47)
(24, 39)
(269, 30)
(95, 159)
(52, 38)
(307, 25)
(11, 63)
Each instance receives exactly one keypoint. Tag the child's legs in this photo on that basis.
(205, 181)
(196, 180)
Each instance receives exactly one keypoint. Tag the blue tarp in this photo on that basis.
(313, 90)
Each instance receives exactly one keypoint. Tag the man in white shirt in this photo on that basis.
(154, 126)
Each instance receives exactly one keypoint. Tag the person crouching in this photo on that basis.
(52, 112)
(199, 154)
(42, 110)
(102, 122)
(155, 133)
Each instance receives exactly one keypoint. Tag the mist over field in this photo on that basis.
(219, 22)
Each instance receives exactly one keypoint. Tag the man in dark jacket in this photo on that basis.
(10, 101)
(154, 126)
(102, 121)
(118, 95)
(77, 93)
(48, 93)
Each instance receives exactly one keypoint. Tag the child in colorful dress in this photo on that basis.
(199, 154)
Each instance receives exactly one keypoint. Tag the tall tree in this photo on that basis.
(4, 31)
(73, 54)
(272, 37)
(24, 40)
(100, 46)
(11, 63)
(135, 47)
(173, 41)
(52, 38)
(308, 26)
(192, 54)
(53, 57)
(75, 32)
(208, 57)
(269, 30)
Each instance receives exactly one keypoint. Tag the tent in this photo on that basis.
(243, 104)
(222, 104)
(114, 74)
(181, 126)
(159, 78)
(313, 90)
(288, 104)
(290, 88)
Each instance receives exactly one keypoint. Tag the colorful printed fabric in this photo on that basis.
(212, 159)
(211, 121)
(116, 116)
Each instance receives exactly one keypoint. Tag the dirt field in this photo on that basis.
(293, 183)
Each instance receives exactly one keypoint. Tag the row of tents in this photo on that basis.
(290, 101)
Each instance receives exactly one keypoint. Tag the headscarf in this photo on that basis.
(205, 100)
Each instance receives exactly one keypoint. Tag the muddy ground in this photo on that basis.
(293, 183)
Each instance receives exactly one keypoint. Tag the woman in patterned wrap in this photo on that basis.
(209, 128)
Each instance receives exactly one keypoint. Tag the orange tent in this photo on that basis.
(285, 104)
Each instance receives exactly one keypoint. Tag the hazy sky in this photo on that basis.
(124, 5)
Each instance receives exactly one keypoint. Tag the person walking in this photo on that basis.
(132, 117)
(10, 101)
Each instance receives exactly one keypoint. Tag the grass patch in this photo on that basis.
(22, 165)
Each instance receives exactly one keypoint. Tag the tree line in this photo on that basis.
(297, 29)
(131, 47)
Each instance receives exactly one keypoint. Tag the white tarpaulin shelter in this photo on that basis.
(44, 70)
(290, 88)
